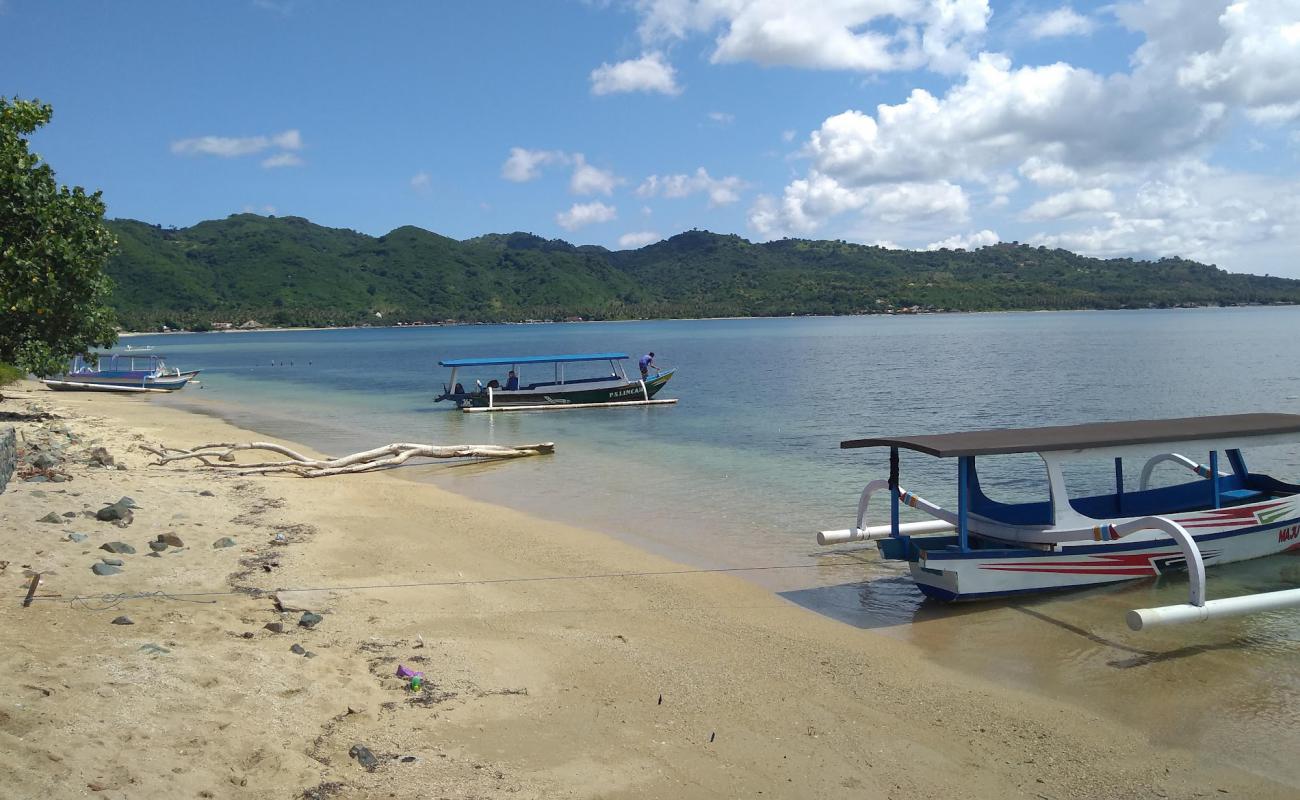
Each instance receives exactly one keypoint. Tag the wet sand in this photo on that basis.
(559, 662)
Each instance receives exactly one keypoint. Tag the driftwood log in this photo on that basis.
(221, 455)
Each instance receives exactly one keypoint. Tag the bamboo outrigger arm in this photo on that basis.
(1144, 482)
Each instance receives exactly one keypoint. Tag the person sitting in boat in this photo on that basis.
(459, 389)
(512, 381)
(494, 384)
(647, 361)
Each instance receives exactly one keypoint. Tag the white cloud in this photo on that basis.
(235, 146)
(267, 209)
(721, 191)
(866, 35)
(810, 202)
(525, 165)
(649, 73)
(632, 241)
(1072, 203)
(722, 118)
(972, 241)
(788, 136)
(421, 181)
(1064, 21)
(282, 160)
(583, 214)
(1258, 64)
(587, 179)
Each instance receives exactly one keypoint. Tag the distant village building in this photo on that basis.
(252, 324)
(222, 326)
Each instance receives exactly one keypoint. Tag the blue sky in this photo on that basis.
(1142, 128)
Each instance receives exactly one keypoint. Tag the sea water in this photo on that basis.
(746, 468)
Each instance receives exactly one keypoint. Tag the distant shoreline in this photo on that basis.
(276, 329)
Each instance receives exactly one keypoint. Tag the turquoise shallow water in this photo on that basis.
(747, 467)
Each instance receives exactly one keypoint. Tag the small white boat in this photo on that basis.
(989, 549)
(133, 371)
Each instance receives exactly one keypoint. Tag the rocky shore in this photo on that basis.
(202, 634)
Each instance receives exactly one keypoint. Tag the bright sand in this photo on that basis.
(550, 672)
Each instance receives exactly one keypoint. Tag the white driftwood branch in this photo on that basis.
(379, 458)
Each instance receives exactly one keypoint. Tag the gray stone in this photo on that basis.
(309, 620)
(51, 517)
(364, 757)
(44, 461)
(297, 649)
(121, 467)
(123, 620)
(274, 627)
(58, 477)
(309, 654)
(101, 568)
(171, 539)
(112, 562)
(118, 547)
(157, 547)
(77, 537)
(101, 458)
(206, 493)
(126, 502)
(37, 479)
(153, 649)
(114, 512)
(69, 514)
(224, 541)
(153, 555)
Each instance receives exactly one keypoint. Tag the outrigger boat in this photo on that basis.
(990, 549)
(556, 391)
(133, 371)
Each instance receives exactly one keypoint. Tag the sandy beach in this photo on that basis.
(558, 662)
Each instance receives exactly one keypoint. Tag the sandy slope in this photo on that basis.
(536, 688)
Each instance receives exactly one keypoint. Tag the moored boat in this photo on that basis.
(134, 371)
(988, 548)
(556, 390)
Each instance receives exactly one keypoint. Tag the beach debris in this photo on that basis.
(123, 620)
(303, 600)
(100, 457)
(309, 620)
(364, 757)
(118, 547)
(31, 587)
(100, 568)
(414, 680)
(224, 541)
(52, 518)
(297, 649)
(298, 464)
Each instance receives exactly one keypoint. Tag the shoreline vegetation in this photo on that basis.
(248, 641)
(249, 271)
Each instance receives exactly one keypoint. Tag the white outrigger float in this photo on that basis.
(989, 549)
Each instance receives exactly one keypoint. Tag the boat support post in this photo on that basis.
(963, 501)
(893, 492)
(1214, 477)
(1197, 608)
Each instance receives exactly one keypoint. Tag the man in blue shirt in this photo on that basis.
(512, 381)
(647, 361)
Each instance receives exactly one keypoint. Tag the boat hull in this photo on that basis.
(1223, 536)
(569, 394)
(121, 383)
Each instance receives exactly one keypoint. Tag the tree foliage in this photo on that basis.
(288, 271)
(53, 248)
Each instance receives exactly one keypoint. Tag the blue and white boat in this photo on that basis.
(987, 548)
(554, 388)
(134, 371)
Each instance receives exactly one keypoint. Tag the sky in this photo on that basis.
(1138, 128)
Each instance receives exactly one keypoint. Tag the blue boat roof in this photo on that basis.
(495, 361)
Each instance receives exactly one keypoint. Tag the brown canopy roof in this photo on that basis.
(1090, 436)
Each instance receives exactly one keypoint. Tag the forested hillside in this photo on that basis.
(289, 271)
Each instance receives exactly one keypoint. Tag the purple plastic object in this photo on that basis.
(403, 672)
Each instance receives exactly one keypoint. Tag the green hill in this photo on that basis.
(289, 271)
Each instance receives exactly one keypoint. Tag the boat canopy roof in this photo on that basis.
(496, 361)
(1091, 436)
(129, 354)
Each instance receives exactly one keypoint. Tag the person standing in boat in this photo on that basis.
(647, 361)
(512, 381)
